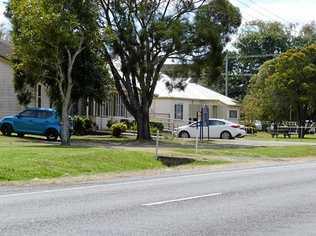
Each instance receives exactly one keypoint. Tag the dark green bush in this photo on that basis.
(118, 129)
(82, 125)
(127, 122)
(110, 123)
(157, 125)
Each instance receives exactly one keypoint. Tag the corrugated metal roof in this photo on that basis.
(192, 91)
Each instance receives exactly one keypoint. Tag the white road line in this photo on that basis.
(181, 199)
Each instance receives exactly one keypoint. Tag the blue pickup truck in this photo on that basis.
(36, 121)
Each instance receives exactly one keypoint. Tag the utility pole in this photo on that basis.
(237, 57)
(226, 75)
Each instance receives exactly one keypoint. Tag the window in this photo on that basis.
(233, 114)
(28, 113)
(178, 111)
(216, 122)
(44, 114)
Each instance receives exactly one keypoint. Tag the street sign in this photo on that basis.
(205, 115)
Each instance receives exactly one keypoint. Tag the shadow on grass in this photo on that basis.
(175, 161)
(51, 146)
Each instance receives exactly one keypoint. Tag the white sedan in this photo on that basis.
(217, 128)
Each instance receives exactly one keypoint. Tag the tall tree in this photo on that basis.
(141, 35)
(262, 40)
(50, 36)
(284, 86)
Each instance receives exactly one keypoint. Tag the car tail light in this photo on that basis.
(235, 126)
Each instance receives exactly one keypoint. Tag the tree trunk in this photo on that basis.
(65, 132)
(143, 126)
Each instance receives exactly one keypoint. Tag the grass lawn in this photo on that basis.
(254, 152)
(268, 137)
(30, 158)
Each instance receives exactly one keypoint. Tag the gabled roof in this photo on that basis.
(192, 91)
(5, 49)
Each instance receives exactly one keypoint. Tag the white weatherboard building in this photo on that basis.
(183, 105)
(173, 108)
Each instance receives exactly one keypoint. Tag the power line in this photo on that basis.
(260, 12)
(237, 57)
(272, 13)
(249, 7)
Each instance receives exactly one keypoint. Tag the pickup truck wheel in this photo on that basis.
(6, 129)
(52, 135)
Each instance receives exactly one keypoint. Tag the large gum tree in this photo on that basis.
(50, 38)
(141, 35)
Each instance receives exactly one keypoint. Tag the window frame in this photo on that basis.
(230, 114)
(178, 114)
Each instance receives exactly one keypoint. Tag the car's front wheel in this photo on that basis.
(52, 135)
(226, 135)
(184, 134)
(6, 129)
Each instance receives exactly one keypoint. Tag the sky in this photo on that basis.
(286, 11)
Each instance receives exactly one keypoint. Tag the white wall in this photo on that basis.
(9, 104)
(165, 108)
(8, 101)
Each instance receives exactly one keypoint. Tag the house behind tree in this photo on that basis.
(173, 108)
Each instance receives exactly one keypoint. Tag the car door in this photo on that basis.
(194, 130)
(42, 121)
(23, 123)
(216, 127)
(212, 128)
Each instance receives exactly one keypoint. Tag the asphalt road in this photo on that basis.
(279, 200)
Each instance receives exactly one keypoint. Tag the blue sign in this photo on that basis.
(205, 115)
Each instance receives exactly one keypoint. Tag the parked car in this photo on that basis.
(217, 128)
(258, 125)
(37, 121)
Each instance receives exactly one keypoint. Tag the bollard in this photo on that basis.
(196, 142)
(157, 145)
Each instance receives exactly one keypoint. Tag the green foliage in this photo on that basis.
(214, 23)
(82, 125)
(110, 123)
(127, 122)
(43, 32)
(157, 125)
(143, 36)
(262, 38)
(284, 85)
(118, 129)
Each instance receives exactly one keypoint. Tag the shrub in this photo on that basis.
(118, 129)
(158, 125)
(110, 123)
(127, 123)
(82, 125)
(153, 130)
